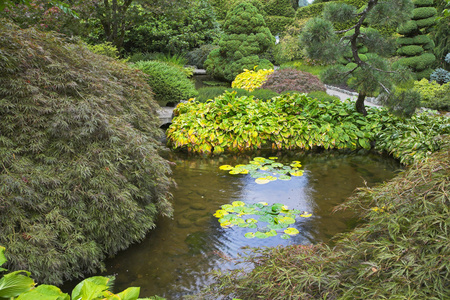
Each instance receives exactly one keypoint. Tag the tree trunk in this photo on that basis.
(360, 104)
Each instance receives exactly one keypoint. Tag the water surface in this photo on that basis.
(175, 258)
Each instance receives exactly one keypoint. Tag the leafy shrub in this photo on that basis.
(278, 24)
(106, 48)
(293, 80)
(80, 170)
(304, 66)
(263, 94)
(250, 79)
(433, 95)
(418, 62)
(167, 82)
(400, 250)
(198, 56)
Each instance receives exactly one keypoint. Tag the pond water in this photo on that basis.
(175, 258)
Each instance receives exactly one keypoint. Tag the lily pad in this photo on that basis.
(262, 180)
(250, 235)
(285, 236)
(297, 173)
(305, 215)
(284, 177)
(238, 203)
(291, 231)
(226, 167)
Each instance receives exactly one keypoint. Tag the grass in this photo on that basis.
(302, 65)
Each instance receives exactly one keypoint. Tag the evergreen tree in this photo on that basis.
(245, 37)
(370, 74)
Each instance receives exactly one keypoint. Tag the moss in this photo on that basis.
(80, 170)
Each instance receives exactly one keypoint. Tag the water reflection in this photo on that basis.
(175, 258)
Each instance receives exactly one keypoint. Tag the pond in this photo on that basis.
(175, 258)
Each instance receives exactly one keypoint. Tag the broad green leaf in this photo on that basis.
(2, 258)
(284, 177)
(260, 235)
(131, 293)
(91, 288)
(44, 292)
(15, 283)
(285, 236)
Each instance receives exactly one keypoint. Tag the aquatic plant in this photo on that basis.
(266, 170)
(277, 216)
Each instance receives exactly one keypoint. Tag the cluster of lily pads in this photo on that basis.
(277, 216)
(265, 170)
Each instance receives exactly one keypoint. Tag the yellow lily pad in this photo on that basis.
(234, 172)
(291, 231)
(273, 157)
(220, 213)
(238, 203)
(263, 203)
(305, 215)
(226, 167)
(297, 173)
(262, 180)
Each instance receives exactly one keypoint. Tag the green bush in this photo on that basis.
(310, 11)
(80, 170)
(295, 121)
(106, 48)
(423, 13)
(281, 8)
(304, 66)
(292, 80)
(167, 82)
(434, 95)
(410, 50)
(420, 3)
(428, 22)
(408, 28)
(245, 38)
(278, 24)
(418, 62)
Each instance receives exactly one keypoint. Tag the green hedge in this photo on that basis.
(423, 23)
(418, 63)
(423, 13)
(420, 3)
(279, 8)
(411, 50)
(417, 40)
(408, 28)
(277, 24)
(310, 11)
(167, 82)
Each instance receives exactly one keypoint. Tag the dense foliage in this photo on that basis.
(79, 164)
(415, 45)
(167, 82)
(209, 93)
(433, 95)
(284, 80)
(295, 121)
(401, 251)
(245, 37)
(250, 79)
(369, 74)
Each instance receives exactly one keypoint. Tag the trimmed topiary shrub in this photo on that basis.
(415, 45)
(293, 80)
(167, 82)
(278, 24)
(79, 165)
(279, 8)
(245, 37)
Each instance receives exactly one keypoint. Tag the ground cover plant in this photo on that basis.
(401, 250)
(209, 93)
(295, 121)
(80, 168)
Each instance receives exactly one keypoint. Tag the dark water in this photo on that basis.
(175, 258)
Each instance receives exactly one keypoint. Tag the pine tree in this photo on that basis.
(245, 37)
(369, 74)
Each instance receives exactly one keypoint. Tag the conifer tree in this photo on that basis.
(370, 74)
(245, 37)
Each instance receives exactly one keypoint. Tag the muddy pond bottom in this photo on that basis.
(177, 257)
